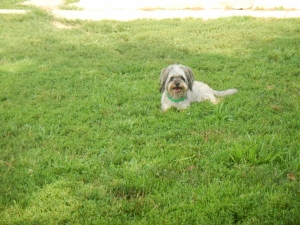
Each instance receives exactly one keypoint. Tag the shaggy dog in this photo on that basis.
(179, 88)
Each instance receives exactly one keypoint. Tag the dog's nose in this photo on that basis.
(177, 84)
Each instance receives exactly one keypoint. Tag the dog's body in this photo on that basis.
(179, 88)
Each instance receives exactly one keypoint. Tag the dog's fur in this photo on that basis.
(179, 88)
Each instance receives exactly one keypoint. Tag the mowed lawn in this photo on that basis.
(83, 140)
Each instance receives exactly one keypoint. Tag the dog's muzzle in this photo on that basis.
(177, 88)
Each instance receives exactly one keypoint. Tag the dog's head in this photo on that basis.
(176, 80)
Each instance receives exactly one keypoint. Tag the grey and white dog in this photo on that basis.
(179, 88)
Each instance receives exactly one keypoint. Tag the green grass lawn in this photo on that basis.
(12, 4)
(83, 140)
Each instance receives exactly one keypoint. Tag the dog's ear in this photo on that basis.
(189, 76)
(163, 78)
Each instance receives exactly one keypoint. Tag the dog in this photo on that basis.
(179, 89)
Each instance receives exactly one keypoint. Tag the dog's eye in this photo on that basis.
(182, 78)
(172, 78)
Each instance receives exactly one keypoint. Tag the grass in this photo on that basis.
(83, 140)
(68, 5)
(12, 4)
